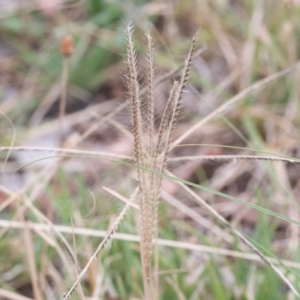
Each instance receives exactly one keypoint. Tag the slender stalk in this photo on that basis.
(29, 250)
(63, 99)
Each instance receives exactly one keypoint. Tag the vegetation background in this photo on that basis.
(50, 201)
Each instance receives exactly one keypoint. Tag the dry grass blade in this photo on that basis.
(29, 250)
(134, 238)
(11, 295)
(76, 264)
(117, 195)
(67, 151)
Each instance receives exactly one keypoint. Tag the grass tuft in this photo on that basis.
(151, 153)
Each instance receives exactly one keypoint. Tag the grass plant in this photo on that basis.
(205, 206)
